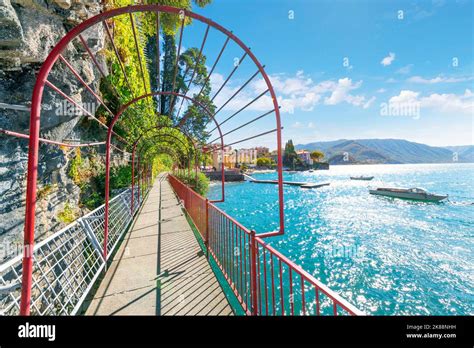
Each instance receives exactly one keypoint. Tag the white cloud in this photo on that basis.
(405, 96)
(388, 60)
(340, 93)
(296, 92)
(439, 79)
(381, 90)
(446, 103)
(297, 125)
(311, 125)
(369, 102)
(405, 70)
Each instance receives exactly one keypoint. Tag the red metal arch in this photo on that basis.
(133, 168)
(135, 143)
(109, 141)
(34, 139)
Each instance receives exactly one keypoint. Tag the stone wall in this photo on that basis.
(28, 31)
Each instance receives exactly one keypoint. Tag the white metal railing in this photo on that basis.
(67, 263)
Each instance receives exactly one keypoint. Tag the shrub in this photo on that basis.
(44, 191)
(265, 162)
(93, 200)
(201, 185)
(67, 215)
(75, 167)
(93, 192)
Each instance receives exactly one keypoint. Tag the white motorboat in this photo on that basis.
(412, 193)
(367, 178)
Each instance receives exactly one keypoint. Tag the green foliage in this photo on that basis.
(93, 200)
(44, 191)
(81, 170)
(317, 155)
(265, 162)
(75, 167)
(144, 114)
(93, 192)
(290, 158)
(129, 125)
(67, 215)
(199, 185)
(120, 177)
(162, 163)
(171, 22)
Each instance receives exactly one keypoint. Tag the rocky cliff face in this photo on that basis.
(28, 31)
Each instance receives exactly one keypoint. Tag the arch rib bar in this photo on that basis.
(194, 70)
(111, 39)
(171, 106)
(101, 71)
(214, 66)
(243, 125)
(238, 91)
(246, 139)
(47, 141)
(230, 75)
(91, 91)
(35, 115)
(241, 109)
(138, 51)
(72, 101)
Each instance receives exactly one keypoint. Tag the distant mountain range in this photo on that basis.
(394, 151)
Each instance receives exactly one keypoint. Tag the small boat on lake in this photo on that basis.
(412, 193)
(367, 178)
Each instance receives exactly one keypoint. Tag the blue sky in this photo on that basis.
(338, 66)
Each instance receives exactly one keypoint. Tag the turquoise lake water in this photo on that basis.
(386, 256)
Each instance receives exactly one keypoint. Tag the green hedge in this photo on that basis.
(201, 185)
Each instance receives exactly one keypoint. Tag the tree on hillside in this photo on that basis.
(289, 156)
(317, 155)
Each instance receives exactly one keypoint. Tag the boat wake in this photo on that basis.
(459, 203)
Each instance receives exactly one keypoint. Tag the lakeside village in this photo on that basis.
(238, 162)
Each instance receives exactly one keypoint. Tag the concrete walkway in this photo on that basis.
(160, 268)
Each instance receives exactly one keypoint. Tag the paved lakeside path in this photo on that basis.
(159, 268)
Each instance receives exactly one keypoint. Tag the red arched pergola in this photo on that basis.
(42, 81)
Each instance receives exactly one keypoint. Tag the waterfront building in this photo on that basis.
(262, 151)
(305, 156)
(232, 157)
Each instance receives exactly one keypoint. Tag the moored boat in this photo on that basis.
(367, 178)
(412, 193)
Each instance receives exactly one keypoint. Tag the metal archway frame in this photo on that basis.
(109, 141)
(140, 137)
(33, 149)
(165, 138)
(168, 141)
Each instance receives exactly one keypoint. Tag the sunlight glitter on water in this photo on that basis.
(408, 257)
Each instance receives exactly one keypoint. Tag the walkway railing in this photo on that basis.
(67, 263)
(264, 280)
